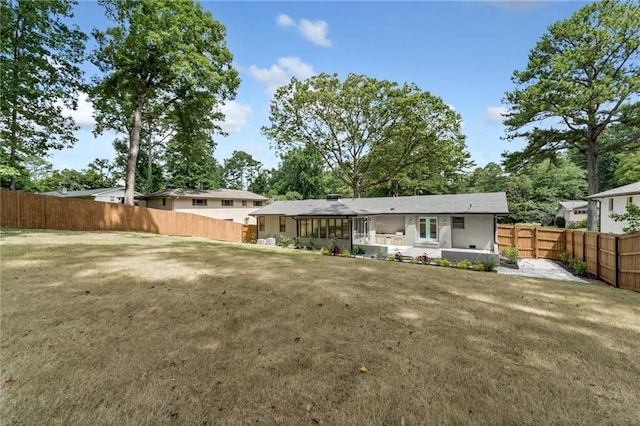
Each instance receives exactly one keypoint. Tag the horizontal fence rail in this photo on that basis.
(26, 210)
(612, 258)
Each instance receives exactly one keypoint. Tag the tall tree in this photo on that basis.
(301, 170)
(240, 170)
(584, 72)
(490, 178)
(39, 76)
(160, 56)
(366, 130)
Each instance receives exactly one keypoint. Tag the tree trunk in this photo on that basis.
(134, 147)
(592, 178)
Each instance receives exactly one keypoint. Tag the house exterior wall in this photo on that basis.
(108, 198)
(272, 230)
(607, 224)
(214, 208)
(478, 230)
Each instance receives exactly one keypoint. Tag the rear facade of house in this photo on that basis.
(465, 221)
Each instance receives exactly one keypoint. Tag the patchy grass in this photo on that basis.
(141, 329)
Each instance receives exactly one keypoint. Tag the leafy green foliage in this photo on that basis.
(463, 264)
(631, 217)
(560, 221)
(582, 77)
(577, 224)
(579, 266)
(511, 253)
(301, 171)
(240, 170)
(165, 62)
(564, 257)
(284, 241)
(366, 130)
(39, 75)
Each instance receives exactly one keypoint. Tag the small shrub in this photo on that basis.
(325, 251)
(284, 241)
(359, 250)
(488, 263)
(511, 253)
(312, 242)
(464, 264)
(575, 224)
(335, 250)
(345, 253)
(579, 266)
(443, 262)
(380, 255)
(560, 221)
(297, 243)
(478, 266)
(423, 258)
(391, 258)
(564, 257)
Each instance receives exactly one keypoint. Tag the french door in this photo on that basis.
(428, 229)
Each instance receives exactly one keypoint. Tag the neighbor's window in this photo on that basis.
(198, 201)
(260, 223)
(257, 204)
(629, 200)
(457, 222)
(283, 224)
(164, 201)
(244, 203)
(227, 202)
(610, 204)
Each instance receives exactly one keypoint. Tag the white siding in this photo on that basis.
(607, 224)
(214, 208)
(478, 230)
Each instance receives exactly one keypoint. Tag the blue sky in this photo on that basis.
(462, 51)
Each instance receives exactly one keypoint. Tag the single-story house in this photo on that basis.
(225, 204)
(465, 221)
(106, 195)
(572, 211)
(615, 201)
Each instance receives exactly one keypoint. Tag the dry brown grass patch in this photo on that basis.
(140, 329)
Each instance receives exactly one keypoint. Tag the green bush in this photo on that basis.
(380, 255)
(464, 264)
(312, 242)
(579, 266)
(284, 241)
(488, 263)
(442, 262)
(297, 243)
(325, 251)
(511, 253)
(478, 266)
(576, 224)
(345, 253)
(564, 257)
(359, 250)
(560, 221)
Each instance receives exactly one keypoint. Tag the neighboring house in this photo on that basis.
(106, 195)
(572, 211)
(225, 204)
(615, 201)
(465, 221)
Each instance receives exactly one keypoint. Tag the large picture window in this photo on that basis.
(198, 201)
(283, 224)
(324, 228)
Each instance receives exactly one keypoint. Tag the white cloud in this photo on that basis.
(83, 115)
(236, 116)
(281, 72)
(284, 20)
(494, 114)
(314, 31)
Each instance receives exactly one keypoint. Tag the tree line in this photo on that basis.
(165, 71)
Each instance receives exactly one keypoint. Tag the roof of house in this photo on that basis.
(85, 192)
(224, 194)
(573, 204)
(494, 203)
(632, 188)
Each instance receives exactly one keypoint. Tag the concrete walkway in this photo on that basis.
(540, 268)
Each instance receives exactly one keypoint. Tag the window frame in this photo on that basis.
(199, 202)
(610, 204)
(257, 203)
(455, 222)
(261, 223)
(283, 224)
(226, 203)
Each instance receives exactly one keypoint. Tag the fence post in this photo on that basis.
(514, 231)
(617, 255)
(535, 242)
(598, 255)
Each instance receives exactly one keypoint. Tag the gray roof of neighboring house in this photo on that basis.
(223, 194)
(85, 192)
(493, 203)
(632, 188)
(573, 204)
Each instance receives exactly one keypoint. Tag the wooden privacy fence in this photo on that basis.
(25, 210)
(612, 258)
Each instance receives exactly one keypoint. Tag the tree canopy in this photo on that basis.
(582, 77)
(366, 130)
(163, 57)
(39, 76)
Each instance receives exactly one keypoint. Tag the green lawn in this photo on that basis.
(117, 328)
